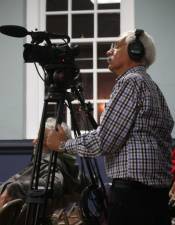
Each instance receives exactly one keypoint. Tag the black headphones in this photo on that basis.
(136, 50)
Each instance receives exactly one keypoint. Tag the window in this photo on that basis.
(92, 26)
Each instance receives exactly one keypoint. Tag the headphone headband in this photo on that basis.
(138, 33)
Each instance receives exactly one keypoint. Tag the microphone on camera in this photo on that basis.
(18, 31)
(13, 30)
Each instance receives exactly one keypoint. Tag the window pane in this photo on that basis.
(82, 5)
(109, 6)
(106, 82)
(81, 118)
(82, 26)
(108, 25)
(87, 83)
(102, 48)
(55, 5)
(84, 59)
(101, 108)
(57, 24)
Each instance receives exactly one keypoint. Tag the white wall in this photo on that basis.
(157, 18)
(12, 88)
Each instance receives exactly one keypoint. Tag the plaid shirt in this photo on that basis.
(134, 134)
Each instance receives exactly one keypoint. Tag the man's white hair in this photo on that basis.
(50, 124)
(148, 43)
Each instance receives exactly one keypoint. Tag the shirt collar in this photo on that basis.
(136, 69)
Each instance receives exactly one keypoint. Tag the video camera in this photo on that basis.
(57, 60)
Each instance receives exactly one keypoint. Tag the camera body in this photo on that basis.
(49, 54)
(58, 60)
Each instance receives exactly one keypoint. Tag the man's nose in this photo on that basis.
(109, 52)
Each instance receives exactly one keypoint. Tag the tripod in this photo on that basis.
(37, 199)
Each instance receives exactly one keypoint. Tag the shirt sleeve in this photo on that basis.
(115, 126)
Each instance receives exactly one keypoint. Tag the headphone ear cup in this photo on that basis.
(136, 50)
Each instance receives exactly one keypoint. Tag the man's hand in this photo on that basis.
(4, 198)
(172, 191)
(55, 138)
(172, 195)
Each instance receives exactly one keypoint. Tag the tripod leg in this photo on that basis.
(54, 155)
(37, 160)
(34, 196)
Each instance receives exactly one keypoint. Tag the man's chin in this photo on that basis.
(110, 68)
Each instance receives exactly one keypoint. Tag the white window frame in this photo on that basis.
(34, 85)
